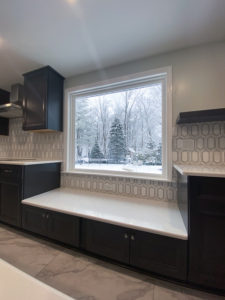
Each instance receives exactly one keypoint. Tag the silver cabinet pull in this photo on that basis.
(7, 171)
(132, 237)
(47, 216)
(126, 236)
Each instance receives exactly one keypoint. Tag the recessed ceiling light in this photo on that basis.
(71, 1)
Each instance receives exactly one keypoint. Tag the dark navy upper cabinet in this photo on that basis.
(4, 123)
(43, 100)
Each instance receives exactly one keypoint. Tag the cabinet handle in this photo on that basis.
(126, 236)
(7, 171)
(43, 215)
(132, 237)
(47, 216)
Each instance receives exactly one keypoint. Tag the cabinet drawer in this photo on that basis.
(10, 173)
(160, 254)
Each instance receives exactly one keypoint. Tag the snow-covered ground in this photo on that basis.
(120, 167)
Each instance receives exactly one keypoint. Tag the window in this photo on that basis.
(122, 127)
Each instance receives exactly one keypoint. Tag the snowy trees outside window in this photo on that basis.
(120, 130)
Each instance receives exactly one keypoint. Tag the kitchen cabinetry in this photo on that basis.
(10, 194)
(4, 126)
(4, 123)
(57, 226)
(43, 100)
(207, 231)
(160, 254)
(163, 255)
(105, 239)
(21, 181)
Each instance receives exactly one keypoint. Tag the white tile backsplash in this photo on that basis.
(202, 143)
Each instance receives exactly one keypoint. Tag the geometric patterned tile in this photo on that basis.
(200, 143)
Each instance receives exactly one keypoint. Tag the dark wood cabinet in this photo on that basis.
(105, 239)
(19, 182)
(10, 196)
(40, 178)
(43, 100)
(63, 228)
(4, 123)
(4, 126)
(207, 231)
(159, 254)
(54, 225)
(33, 219)
(151, 252)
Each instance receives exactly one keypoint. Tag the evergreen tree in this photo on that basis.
(116, 145)
(159, 154)
(150, 154)
(96, 152)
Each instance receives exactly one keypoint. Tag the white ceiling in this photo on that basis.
(77, 36)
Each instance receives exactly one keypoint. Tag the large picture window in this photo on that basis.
(121, 128)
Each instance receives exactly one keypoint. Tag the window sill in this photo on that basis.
(151, 177)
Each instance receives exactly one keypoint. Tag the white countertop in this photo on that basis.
(15, 284)
(25, 162)
(201, 170)
(158, 217)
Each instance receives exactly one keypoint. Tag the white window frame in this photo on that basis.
(164, 74)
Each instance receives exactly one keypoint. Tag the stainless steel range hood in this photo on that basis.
(13, 109)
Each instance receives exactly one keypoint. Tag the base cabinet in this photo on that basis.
(63, 228)
(160, 254)
(105, 239)
(11, 191)
(10, 210)
(57, 226)
(22, 181)
(207, 232)
(151, 252)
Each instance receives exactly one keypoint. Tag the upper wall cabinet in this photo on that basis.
(4, 123)
(43, 100)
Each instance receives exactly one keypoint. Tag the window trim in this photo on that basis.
(165, 72)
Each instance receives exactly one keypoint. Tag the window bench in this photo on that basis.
(153, 216)
(145, 234)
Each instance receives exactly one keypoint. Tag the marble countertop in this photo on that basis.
(25, 162)
(154, 216)
(15, 284)
(201, 170)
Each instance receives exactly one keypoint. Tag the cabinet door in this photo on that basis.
(207, 232)
(160, 254)
(4, 126)
(35, 100)
(63, 228)
(105, 239)
(10, 203)
(34, 219)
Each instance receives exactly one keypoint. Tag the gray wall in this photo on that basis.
(198, 76)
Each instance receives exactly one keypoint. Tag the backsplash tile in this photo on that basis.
(202, 143)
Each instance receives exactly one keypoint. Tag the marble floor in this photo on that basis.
(83, 277)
